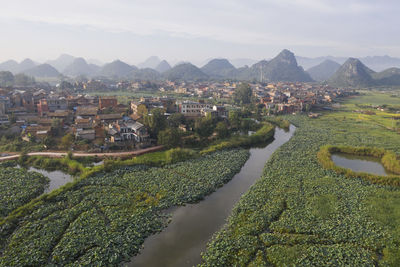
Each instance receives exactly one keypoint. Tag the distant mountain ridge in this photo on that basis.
(15, 67)
(324, 70)
(117, 69)
(163, 66)
(185, 71)
(284, 67)
(61, 62)
(376, 63)
(42, 71)
(390, 76)
(242, 62)
(80, 67)
(145, 74)
(152, 62)
(219, 68)
(354, 73)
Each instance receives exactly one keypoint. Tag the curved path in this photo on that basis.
(83, 154)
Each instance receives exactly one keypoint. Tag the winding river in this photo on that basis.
(192, 226)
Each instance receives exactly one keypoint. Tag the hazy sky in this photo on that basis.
(197, 30)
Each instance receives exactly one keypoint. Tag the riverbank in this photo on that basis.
(300, 214)
(89, 203)
(104, 218)
(192, 226)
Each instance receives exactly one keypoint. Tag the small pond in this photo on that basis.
(57, 178)
(360, 164)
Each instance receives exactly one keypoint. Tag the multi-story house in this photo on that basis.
(192, 109)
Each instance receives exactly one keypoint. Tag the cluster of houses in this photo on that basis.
(288, 98)
(279, 98)
(37, 114)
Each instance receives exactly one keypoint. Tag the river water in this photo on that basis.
(360, 163)
(192, 226)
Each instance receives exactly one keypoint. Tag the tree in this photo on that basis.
(204, 127)
(176, 119)
(245, 125)
(67, 140)
(12, 118)
(234, 119)
(6, 79)
(142, 110)
(81, 78)
(169, 137)
(56, 127)
(49, 142)
(64, 85)
(260, 110)
(23, 80)
(222, 130)
(243, 94)
(156, 121)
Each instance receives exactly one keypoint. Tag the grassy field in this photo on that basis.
(363, 109)
(375, 98)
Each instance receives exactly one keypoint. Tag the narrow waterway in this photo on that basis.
(192, 226)
(360, 163)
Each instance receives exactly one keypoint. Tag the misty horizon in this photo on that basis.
(198, 63)
(195, 32)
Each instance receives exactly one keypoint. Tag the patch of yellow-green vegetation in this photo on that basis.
(263, 135)
(323, 205)
(278, 121)
(375, 98)
(259, 260)
(283, 255)
(367, 108)
(160, 158)
(326, 255)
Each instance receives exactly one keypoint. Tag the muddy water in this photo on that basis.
(192, 226)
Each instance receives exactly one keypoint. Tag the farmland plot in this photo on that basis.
(103, 219)
(300, 213)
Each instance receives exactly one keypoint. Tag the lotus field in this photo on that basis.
(18, 187)
(300, 214)
(102, 220)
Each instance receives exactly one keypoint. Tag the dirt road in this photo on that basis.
(83, 154)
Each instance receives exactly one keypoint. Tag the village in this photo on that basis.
(100, 123)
